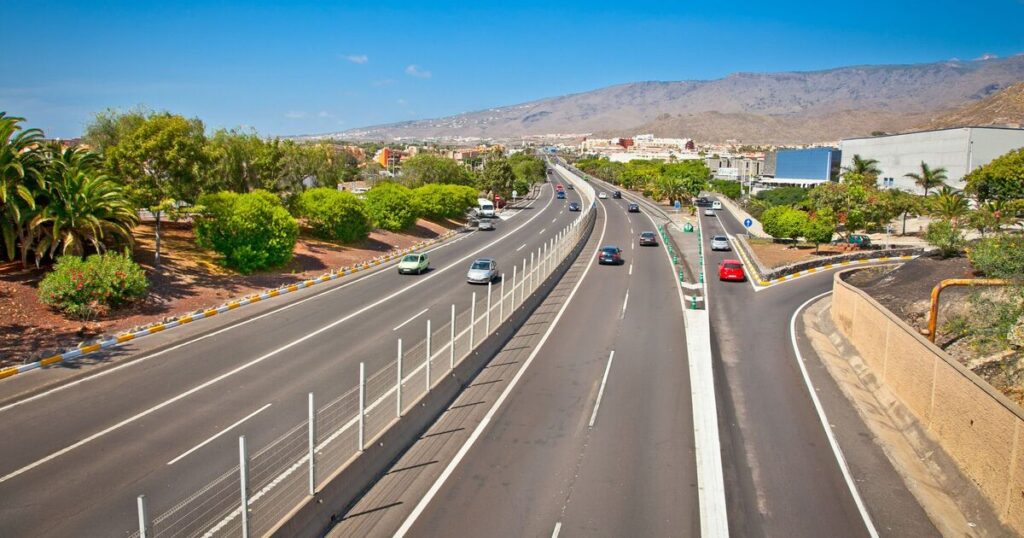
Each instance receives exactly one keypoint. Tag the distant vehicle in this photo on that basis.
(720, 242)
(486, 226)
(855, 240)
(648, 239)
(560, 195)
(559, 187)
(703, 201)
(731, 270)
(485, 208)
(573, 206)
(602, 195)
(360, 190)
(482, 271)
(708, 212)
(415, 263)
(570, 187)
(716, 205)
(610, 254)
(617, 194)
(633, 208)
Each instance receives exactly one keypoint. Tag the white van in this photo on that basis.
(716, 205)
(485, 208)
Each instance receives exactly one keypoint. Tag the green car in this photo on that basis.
(414, 263)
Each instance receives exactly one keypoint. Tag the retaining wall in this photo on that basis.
(977, 426)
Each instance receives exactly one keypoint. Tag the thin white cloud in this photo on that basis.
(325, 114)
(295, 114)
(987, 56)
(402, 102)
(383, 83)
(414, 70)
(357, 58)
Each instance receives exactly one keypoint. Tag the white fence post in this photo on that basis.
(451, 344)
(398, 382)
(512, 305)
(144, 529)
(501, 300)
(362, 405)
(533, 269)
(522, 284)
(312, 445)
(428, 355)
(243, 478)
(472, 322)
(487, 324)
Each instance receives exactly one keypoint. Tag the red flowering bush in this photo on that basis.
(90, 287)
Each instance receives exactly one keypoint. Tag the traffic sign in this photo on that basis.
(748, 223)
(678, 205)
(515, 193)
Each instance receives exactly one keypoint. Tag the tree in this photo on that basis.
(848, 202)
(241, 162)
(160, 162)
(818, 230)
(792, 196)
(784, 222)
(991, 216)
(928, 178)
(392, 206)
(445, 201)
(685, 179)
(20, 176)
(901, 204)
(949, 204)
(427, 169)
(110, 127)
(863, 172)
(1000, 180)
(498, 177)
(333, 214)
(251, 231)
(945, 237)
(528, 169)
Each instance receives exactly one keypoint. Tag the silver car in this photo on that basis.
(720, 242)
(482, 271)
(485, 224)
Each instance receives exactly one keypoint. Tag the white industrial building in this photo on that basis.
(958, 150)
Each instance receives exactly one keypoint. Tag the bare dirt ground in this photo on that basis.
(778, 254)
(189, 278)
(906, 292)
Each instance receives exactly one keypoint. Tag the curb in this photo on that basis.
(761, 281)
(86, 347)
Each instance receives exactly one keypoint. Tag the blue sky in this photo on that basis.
(312, 67)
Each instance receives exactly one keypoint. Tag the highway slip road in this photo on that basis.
(581, 426)
(72, 461)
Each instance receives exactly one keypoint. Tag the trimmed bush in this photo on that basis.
(336, 215)
(783, 222)
(945, 237)
(251, 231)
(1001, 256)
(444, 201)
(731, 189)
(392, 206)
(89, 288)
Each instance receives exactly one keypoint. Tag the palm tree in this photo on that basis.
(20, 178)
(863, 167)
(929, 178)
(949, 204)
(80, 207)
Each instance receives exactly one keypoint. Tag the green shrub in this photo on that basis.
(88, 288)
(730, 189)
(392, 207)
(1001, 256)
(444, 201)
(251, 231)
(333, 214)
(819, 230)
(945, 237)
(783, 222)
(783, 195)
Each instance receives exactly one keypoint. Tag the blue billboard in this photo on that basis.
(820, 164)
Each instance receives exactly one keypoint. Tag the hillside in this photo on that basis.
(1003, 108)
(752, 107)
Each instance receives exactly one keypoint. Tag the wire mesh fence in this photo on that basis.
(278, 476)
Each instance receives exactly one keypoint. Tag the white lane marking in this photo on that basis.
(600, 391)
(218, 434)
(542, 231)
(625, 301)
(406, 322)
(521, 247)
(631, 268)
(631, 231)
(257, 360)
(632, 245)
(558, 528)
(478, 431)
(554, 219)
(825, 423)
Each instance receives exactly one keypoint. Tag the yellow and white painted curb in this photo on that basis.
(759, 282)
(86, 348)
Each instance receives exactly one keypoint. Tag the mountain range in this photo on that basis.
(773, 108)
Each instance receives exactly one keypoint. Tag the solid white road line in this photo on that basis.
(850, 484)
(558, 528)
(406, 322)
(521, 247)
(218, 434)
(631, 231)
(257, 360)
(553, 220)
(631, 268)
(478, 431)
(600, 391)
(625, 301)
(542, 231)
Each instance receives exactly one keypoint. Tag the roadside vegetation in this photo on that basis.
(663, 181)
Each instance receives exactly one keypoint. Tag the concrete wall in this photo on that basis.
(978, 427)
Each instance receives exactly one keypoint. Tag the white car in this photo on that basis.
(708, 212)
(602, 196)
(482, 271)
(716, 205)
(485, 225)
(720, 242)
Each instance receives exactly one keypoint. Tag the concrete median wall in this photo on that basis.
(978, 427)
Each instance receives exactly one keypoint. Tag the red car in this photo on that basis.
(731, 270)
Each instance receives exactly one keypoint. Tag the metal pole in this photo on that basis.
(144, 530)
(243, 478)
(501, 300)
(362, 405)
(428, 355)
(522, 284)
(398, 382)
(451, 344)
(487, 324)
(472, 322)
(532, 271)
(312, 445)
(512, 305)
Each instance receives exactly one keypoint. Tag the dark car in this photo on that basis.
(570, 187)
(610, 255)
(633, 208)
(648, 239)
(617, 194)
(731, 270)
(703, 202)
(561, 195)
(573, 206)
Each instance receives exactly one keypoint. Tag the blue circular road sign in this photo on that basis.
(748, 223)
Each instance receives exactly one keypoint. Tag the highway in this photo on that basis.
(72, 461)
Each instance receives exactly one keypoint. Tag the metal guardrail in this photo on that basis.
(256, 496)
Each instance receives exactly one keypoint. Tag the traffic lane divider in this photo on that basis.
(86, 348)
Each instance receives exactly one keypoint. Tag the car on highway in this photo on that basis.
(602, 195)
(486, 226)
(570, 187)
(633, 208)
(561, 195)
(703, 201)
(708, 212)
(720, 242)
(648, 239)
(414, 263)
(617, 195)
(482, 271)
(574, 206)
(731, 270)
(716, 205)
(610, 255)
